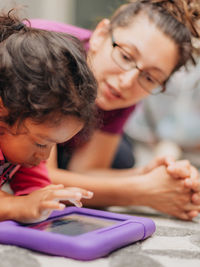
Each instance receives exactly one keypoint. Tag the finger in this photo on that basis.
(159, 161)
(193, 182)
(180, 169)
(194, 173)
(193, 214)
(64, 194)
(77, 203)
(184, 216)
(53, 186)
(195, 198)
(85, 193)
(168, 160)
(52, 205)
(191, 207)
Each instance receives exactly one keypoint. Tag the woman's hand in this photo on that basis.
(169, 195)
(39, 204)
(183, 169)
(157, 162)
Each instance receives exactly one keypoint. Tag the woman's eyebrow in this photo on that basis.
(137, 52)
(133, 49)
(131, 46)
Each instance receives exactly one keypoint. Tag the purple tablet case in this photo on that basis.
(86, 246)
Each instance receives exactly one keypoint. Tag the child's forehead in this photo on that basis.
(57, 133)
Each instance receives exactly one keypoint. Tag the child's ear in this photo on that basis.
(3, 109)
(99, 34)
(3, 113)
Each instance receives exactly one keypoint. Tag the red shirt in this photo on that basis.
(23, 180)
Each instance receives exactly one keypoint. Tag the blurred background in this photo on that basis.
(84, 13)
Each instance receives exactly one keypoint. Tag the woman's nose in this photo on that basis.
(128, 78)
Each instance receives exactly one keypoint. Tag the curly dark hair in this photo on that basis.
(43, 74)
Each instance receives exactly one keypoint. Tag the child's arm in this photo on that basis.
(38, 205)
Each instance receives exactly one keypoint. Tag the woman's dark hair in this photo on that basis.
(43, 74)
(178, 19)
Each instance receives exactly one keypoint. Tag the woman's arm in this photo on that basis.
(156, 189)
(97, 153)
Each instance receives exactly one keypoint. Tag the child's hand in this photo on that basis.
(38, 205)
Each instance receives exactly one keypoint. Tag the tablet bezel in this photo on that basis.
(87, 246)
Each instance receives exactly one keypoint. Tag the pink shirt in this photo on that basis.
(23, 180)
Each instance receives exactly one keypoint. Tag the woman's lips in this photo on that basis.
(111, 93)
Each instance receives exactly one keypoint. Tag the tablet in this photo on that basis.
(78, 233)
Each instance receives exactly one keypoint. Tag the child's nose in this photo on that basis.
(128, 78)
(43, 155)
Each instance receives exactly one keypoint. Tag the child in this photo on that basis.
(132, 56)
(47, 95)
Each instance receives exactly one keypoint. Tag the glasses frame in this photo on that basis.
(114, 45)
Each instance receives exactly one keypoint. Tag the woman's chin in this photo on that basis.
(101, 103)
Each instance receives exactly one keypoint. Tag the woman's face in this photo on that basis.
(152, 51)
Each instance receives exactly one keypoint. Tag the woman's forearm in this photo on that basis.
(109, 188)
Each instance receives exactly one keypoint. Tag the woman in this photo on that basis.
(133, 55)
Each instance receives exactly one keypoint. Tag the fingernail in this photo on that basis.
(61, 206)
(78, 204)
(188, 182)
(78, 195)
(90, 194)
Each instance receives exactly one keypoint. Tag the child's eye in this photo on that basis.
(40, 146)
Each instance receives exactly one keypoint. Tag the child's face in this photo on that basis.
(151, 50)
(33, 143)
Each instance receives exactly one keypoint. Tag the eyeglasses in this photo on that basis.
(125, 61)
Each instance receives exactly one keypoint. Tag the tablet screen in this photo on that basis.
(74, 224)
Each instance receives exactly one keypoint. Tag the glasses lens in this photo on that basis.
(126, 62)
(149, 84)
(122, 59)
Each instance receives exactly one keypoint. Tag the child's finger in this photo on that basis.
(52, 205)
(77, 203)
(85, 193)
(64, 194)
(53, 186)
